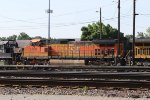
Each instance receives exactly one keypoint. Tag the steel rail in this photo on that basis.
(66, 74)
(76, 67)
(54, 82)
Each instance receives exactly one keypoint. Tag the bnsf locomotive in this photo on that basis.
(39, 52)
(103, 52)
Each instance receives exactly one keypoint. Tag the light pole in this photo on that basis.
(100, 11)
(118, 28)
(49, 11)
(133, 44)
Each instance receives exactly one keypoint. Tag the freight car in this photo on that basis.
(142, 51)
(92, 52)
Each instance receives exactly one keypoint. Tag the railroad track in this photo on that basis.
(98, 79)
(74, 74)
(79, 82)
(76, 67)
(77, 76)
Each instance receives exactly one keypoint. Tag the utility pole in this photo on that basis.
(49, 11)
(49, 21)
(118, 53)
(133, 44)
(100, 23)
(118, 28)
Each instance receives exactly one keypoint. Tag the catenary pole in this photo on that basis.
(49, 10)
(100, 23)
(133, 44)
(118, 28)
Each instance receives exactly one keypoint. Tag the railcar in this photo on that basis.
(7, 54)
(98, 51)
(92, 52)
(142, 51)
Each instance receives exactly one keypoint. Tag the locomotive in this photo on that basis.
(39, 51)
(101, 52)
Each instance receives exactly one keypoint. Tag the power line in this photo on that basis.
(145, 14)
(19, 20)
(62, 25)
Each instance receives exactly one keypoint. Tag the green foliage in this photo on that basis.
(3, 38)
(92, 31)
(85, 88)
(148, 30)
(24, 36)
(140, 35)
(13, 37)
(38, 37)
(144, 35)
(129, 36)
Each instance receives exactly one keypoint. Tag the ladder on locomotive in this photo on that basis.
(128, 58)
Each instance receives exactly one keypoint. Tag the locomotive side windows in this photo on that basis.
(144, 51)
(136, 51)
(147, 51)
(140, 51)
(46, 49)
(97, 51)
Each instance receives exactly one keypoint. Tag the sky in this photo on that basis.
(69, 16)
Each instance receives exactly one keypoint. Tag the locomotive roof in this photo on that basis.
(5, 42)
(111, 41)
(23, 43)
(141, 40)
(61, 41)
(80, 42)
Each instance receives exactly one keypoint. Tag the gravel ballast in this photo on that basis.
(78, 91)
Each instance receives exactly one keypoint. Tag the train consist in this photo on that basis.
(103, 52)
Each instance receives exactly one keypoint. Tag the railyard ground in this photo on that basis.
(62, 97)
(73, 93)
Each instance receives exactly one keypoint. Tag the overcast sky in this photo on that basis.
(68, 16)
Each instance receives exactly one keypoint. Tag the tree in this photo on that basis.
(129, 36)
(13, 37)
(148, 30)
(92, 31)
(85, 33)
(24, 36)
(3, 38)
(140, 35)
(143, 35)
(38, 37)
